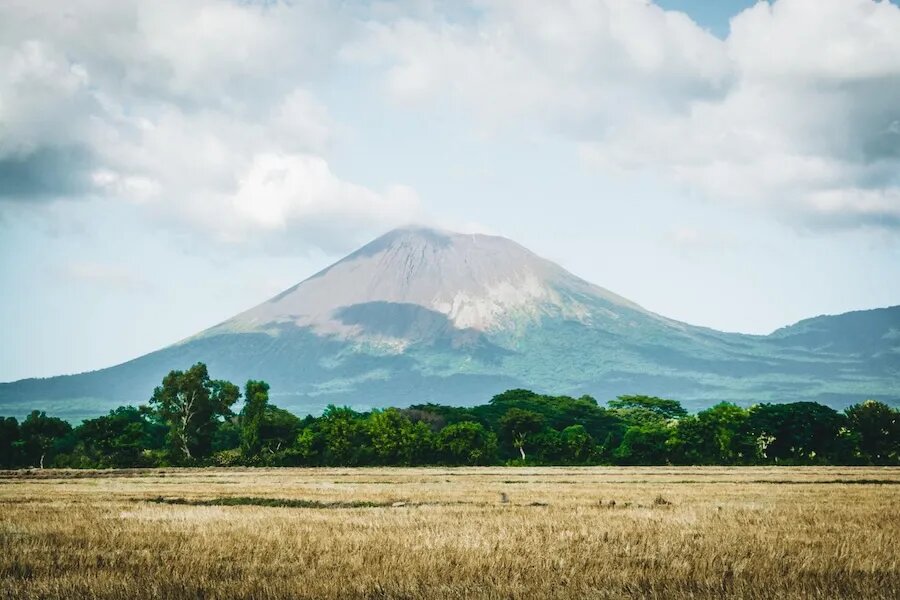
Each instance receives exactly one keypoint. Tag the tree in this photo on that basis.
(310, 445)
(578, 445)
(277, 430)
(797, 432)
(41, 435)
(642, 409)
(467, 443)
(192, 404)
(712, 437)
(548, 446)
(265, 428)
(256, 400)
(119, 438)
(517, 426)
(726, 423)
(644, 445)
(558, 411)
(191, 415)
(10, 443)
(396, 440)
(878, 428)
(227, 437)
(691, 442)
(345, 440)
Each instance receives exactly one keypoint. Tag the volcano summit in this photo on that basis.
(423, 315)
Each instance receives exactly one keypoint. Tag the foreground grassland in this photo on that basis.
(452, 533)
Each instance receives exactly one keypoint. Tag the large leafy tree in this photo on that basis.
(192, 405)
(726, 424)
(278, 429)
(645, 444)
(558, 411)
(256, 401)
(797, 432)
(346, 441)
(265, 429)
(519, 427)
(713, 436)
(577, 444)
(396, 440)
(877, 426)
(467, 443)
(690, 443)
(310, 444)
(42, 436)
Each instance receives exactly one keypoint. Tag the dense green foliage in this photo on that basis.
(189, 421)
(191, 404)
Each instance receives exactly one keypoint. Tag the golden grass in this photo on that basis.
(447, 533)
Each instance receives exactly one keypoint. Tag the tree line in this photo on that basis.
(190, 420)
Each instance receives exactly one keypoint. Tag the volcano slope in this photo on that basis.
(422, 315)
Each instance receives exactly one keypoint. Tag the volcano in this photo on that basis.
(423, 315)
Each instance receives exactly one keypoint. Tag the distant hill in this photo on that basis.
(422, 315)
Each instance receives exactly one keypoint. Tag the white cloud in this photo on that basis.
(176, 108)
(38, 85)
(806, 128)
(825, 40)
(552, 58)
(279, 189)
(182, 108)
(796, 111)
(302, 121)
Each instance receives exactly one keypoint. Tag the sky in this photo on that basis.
(165, 165)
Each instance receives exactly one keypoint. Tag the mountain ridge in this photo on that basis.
(420, 314)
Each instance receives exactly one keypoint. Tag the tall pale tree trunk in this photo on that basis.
(187, 413)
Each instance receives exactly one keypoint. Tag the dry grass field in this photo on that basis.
(667, 533)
